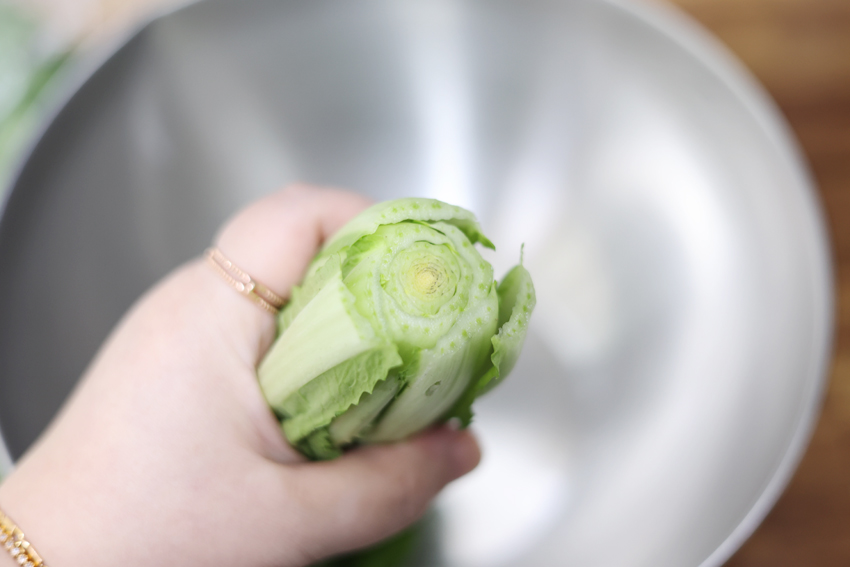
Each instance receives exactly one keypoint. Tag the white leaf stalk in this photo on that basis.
(398, 325)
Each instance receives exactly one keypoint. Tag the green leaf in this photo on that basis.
(517, 299)
(396, 320)
(328, 395)
(394, 551)
(318, 446)
(326, 332)
(302, 295)
(401, 210)
(348, 426)
(442, 375)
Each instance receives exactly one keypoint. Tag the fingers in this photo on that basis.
(373, 492)
(274, 240)
(216, 330)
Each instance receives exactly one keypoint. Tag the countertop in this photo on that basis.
(800, 51)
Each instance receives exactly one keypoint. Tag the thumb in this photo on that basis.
(274, 240)
(375, 491)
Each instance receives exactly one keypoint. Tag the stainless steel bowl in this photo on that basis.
(677, 357)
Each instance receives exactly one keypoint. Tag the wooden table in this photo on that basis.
(800, 51)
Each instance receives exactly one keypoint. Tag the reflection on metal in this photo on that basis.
(510, 503)
(431, 36)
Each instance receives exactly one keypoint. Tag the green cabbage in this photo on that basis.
(398, 325)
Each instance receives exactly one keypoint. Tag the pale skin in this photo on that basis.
(166, 453)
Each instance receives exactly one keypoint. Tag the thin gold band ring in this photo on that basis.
(239, 280)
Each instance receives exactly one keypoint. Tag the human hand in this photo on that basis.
(167, 453)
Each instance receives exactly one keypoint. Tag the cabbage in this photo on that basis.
(397, 325)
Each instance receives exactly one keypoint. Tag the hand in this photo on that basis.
(166, 453)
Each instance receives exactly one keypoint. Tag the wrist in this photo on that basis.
(6, 560)
(14, 542)
(37, 498)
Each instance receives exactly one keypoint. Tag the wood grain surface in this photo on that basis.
(800, 51)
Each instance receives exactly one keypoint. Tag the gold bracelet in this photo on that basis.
(14, 541)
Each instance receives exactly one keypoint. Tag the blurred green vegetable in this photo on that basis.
(25, 75)
(395, 551)
(398, 324)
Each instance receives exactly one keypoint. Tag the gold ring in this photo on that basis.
(243, 283)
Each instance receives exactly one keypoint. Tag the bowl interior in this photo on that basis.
(676, 357)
